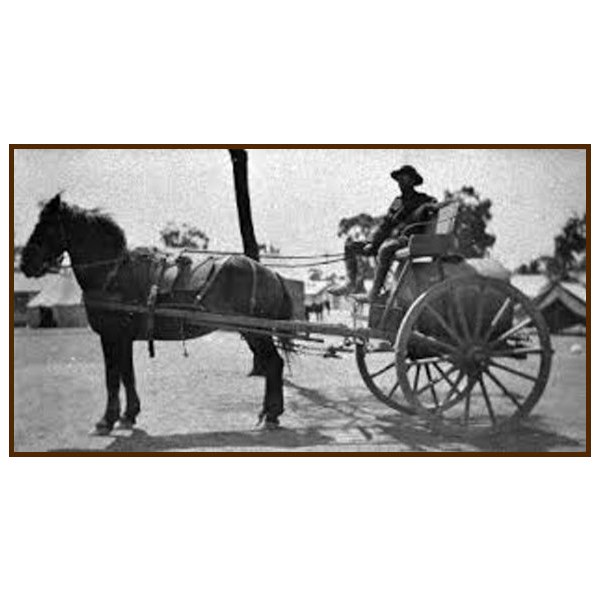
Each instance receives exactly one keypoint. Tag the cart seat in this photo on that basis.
(438, 241)
(421, 246)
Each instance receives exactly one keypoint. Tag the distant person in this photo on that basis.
(47, 320)
(410, 208)
(319, 311)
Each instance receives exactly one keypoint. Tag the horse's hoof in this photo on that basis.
(101, 430)
(272, 425)
(125, 424)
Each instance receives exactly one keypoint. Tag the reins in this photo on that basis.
(97, 263)
(330, 259)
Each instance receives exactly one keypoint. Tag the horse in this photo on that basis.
(314, 309)
(107, 271)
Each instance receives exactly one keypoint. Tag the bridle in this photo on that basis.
(117, 262)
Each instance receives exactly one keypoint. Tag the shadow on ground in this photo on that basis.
(413, 435)
(141, 441)
(348, 424)
(533, 435)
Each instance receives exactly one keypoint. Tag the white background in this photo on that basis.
(308, 72)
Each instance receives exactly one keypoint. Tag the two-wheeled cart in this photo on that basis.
(452, 342)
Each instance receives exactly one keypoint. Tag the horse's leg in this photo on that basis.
(258, 369)
(110, 349)
(132, 410)
(264, 348)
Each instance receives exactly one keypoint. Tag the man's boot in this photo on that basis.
(381, 272)
(352, 285)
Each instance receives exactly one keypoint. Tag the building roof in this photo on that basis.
(531, 285)
(63, 290)
(576, 289)
(568, 294)
(25, 285)
(545, 292)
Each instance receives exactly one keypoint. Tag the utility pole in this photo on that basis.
(239, 159)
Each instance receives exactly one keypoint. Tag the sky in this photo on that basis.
(299, 196)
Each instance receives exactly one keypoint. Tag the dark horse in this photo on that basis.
(108, 272)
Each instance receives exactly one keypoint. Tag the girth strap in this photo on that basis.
(113, 273)
(254, 289)
(211, 279)
(151, 304)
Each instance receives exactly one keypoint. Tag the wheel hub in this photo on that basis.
(474, 360)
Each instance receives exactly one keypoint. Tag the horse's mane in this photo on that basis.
(98, 220)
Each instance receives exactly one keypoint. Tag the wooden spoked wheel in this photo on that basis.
(376, 360)
(473, 353)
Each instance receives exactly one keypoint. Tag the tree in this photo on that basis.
(532, 268)
(184, 236)
(569, 252)
(359, 226)
(474, 215)
(269, 248)
(570, 245)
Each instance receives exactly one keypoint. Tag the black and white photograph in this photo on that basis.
(300, 300)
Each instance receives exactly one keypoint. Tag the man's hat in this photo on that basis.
(409, 171)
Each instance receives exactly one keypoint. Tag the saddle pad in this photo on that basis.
(171, 274)
(194, 275)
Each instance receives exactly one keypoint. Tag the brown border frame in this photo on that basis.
(586, 147)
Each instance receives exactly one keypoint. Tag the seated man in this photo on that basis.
(410, 208)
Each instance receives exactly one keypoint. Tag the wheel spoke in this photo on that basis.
(502, 387)
(498, 317)
(384, 370)
(459, 398)
(434, 382)
(468, 404)
(452, 316)
(432, 360)
(447, 328)
(416, 380)
(488, 403)
(479, 313)
(389, 396)
(445, 374)
(433, 341)
(461, 314)
(513, 371)
(454, 387)
(506, 335)
(433, 392)
(516, 352)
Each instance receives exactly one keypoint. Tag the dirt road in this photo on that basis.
(205, 403)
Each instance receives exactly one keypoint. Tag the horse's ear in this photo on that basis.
(54, 204)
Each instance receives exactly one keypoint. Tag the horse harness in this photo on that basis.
(164, 273)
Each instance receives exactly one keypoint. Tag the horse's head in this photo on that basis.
(47, 242)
